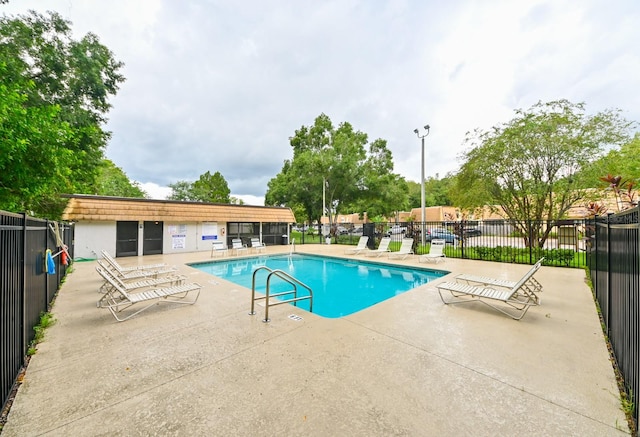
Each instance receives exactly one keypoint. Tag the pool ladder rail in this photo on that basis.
(268, 295)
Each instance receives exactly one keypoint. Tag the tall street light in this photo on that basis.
(426, 129)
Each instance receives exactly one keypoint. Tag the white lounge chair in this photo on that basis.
(436, 253)
(237, 246)
(486, 280)
(258, 245)
(218, 248)
(111, 260)
(116, 299)
(382, 248)
(406, 249)
(127, 274)
(167, 280)
(518, 298)
(362, 245)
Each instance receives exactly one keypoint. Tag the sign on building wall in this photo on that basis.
(178, 236)
(210, 230)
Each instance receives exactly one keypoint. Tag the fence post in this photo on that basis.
(609, 288)
(530, 229)
(23, 286)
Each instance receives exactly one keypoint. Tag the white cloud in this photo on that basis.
(221, 86)
(155, 191)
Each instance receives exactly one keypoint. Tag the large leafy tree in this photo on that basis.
(113, 181)
(382, 192)
(623, 161)
(530, 167)
(336, 163)
(208, 188)
(211, 188)
(180, 190)
(436, 191)
(67, 83)
(33, 160)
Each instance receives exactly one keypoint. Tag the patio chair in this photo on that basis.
(237, 246)
(136, 285)
(485, 280)
(218, 248)
(258, 245)
(111, 260)
(436, 253)
(135, 273)
(406, 249)
(362, 245)
(517, 299)
(116, 299)
(382, 248)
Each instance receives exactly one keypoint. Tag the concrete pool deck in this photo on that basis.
(407, 366)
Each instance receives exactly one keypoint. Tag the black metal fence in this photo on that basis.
(561, 243)
(26, 289)
(614, 263)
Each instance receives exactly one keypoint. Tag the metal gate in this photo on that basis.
(126, 239)
(152, 240)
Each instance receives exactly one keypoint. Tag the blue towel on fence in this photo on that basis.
(50, 266)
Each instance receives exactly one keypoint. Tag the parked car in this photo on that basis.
(471, 232)
(396, 229)
(442, 234)
(342, 230)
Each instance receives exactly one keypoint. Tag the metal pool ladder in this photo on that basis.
(268, 295)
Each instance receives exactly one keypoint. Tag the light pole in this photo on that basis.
(426, 128)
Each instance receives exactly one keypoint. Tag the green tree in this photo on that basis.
(530, 166)
(180, 190)
(113, 181)
(621, 161)
(436, 191)
(383, 192)
(33, 163)
(69, 80)
(209, 187)
(338, 163)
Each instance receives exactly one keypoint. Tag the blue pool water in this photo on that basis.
(340, 286)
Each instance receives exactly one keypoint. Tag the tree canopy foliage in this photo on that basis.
(212, 188)
(113, 181)
(623, 162)
(531, 167)
(353, 174)
(436, 191)
(55, 93)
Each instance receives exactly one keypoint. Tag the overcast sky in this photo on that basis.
(222, 85)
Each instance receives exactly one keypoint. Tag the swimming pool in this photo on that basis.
(340, 286)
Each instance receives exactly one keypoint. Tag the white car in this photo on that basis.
(396, 229)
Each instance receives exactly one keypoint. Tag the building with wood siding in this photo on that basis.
(134, 227)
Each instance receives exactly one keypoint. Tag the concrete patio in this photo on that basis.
(409, 366)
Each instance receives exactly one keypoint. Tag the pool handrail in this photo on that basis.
(285, 277)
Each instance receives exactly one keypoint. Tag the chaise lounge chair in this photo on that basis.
(237, 246)
(258, 245)
(362, 245)
(485, 280)
(111, 260)
(129, 274)
(218, 248)
(436, 253)
(517, 299)
(382, 248)
(138, 284)
(406, 249)
(116, 299)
